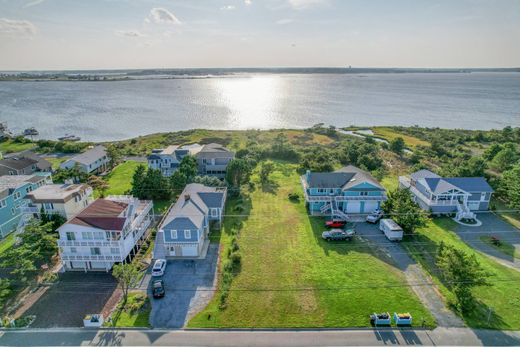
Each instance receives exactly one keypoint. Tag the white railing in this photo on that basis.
(70, 243)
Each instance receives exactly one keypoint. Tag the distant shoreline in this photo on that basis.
(152, 74)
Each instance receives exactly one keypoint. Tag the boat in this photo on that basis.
(30, 132)
(68, 137)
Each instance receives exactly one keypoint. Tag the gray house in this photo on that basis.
(25, 163)
(184, 231)
(213, 160)
(95, 160)
(460, 195)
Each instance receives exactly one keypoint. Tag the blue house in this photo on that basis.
(184, 231)
(347, 191)
(461, 195)
(13, 201)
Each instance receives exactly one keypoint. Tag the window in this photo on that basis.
(13, 212)
(363, 193)
(73, 250)
(17, 195)
(187, 234)
(86, 235)
(173, 234)
(12, 173)
(98, 235)
(482, 196)
(48, 206)
(95, 251)
(70, 236)
(320, 190)
(3, 203)
(114, 250)
(214, 212)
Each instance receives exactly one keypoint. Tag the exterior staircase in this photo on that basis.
(335, 212)
(463, 212)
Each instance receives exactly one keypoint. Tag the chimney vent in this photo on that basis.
(187, 197)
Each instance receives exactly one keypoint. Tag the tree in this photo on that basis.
(127, 275)
(114, 154)
(209, 181)
(504, 159)
(510, 186)
(156, 186)
(265, 170)
(138, 182)
(397, 145)
(177, 181)
(460, 272)
(99, 184)
(238, 172)
(404, 211)
(189, 168)
(491, 151)
(5, 290)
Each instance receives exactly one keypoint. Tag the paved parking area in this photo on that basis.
(76, 294)
(189, 285)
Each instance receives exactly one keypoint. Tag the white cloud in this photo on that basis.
(284, 21)
(303, 4)
(16, 27)
(33, 3)
(162, 15)
(248, 2)
(227, 8)
(128, 33)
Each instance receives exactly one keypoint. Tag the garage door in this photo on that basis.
(354, 207)
(370, 206)
(474, 205)
(189, 251)
(98, 265)
(77, 264)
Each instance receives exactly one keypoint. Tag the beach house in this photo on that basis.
(106, 232)
(212, 160)
(13, 200)
(185, 228)
(93, 161)
(461, 195)
(66, 200)
(25, 163)
(343, 193)
(168, 159)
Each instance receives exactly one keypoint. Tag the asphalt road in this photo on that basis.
(439, 336)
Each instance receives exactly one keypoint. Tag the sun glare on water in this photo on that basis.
(253, 102)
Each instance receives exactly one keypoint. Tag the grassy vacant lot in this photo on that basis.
(120, 179)
(512, 217)
(9, 146)
(290, 277)
(502, 299)
(135, 314)
(504, 246)
(389, 134)
(56, 161)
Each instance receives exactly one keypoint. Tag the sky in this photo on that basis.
(111, 34)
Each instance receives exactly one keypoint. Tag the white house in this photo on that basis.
(94, 160)
(168, 159)
(64, 199)
(107, 232)
(185, 228)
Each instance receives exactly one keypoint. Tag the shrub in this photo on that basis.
(234, 245)
(236, 259)
(295, 197)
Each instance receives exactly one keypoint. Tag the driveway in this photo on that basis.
(492, 225)
(65, 303)
(189, 286)
(414, 273)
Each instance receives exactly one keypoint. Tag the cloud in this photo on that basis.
(228, 8)
(303, 4)
(248, 2)
(284, 21)
(128, 33)
(33, 3)
(16, 27)
(162, 15)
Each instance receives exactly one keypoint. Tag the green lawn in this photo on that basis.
(120, 179)
(7, 242)
(511, 217)
(136, 316)
(290, 277)
(502, 299)
(504, 246)
(9, 146)
(390, 182)
(56, 161)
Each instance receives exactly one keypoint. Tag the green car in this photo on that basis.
(338, 234)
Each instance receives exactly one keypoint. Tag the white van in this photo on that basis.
(392, 230)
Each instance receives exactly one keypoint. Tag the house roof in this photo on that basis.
(17, 162)
(56, 192)
(345, 178)
(43, 164)
(8, 183)
(471, 184)
(102, 214)
(214, 150)
(423, 174)
(193, 204)
(90, 156)
(439, 185)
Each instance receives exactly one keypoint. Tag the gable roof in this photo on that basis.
(345, 178)
(90, 156)
(438, 185)
(213, 150)
(423, 174)
(102, 214)
(193, 204)
(9, 183)
(56, 192)
(17, 162)
(471, 184)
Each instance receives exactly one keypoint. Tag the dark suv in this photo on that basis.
(158, 289)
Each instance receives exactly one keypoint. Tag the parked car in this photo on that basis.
(374, 217)
(158, 289)
(338, 234)
(159, 267)
(335, 223)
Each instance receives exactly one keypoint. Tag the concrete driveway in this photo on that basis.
(189, 288)
(416, 277)
(492, 225)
